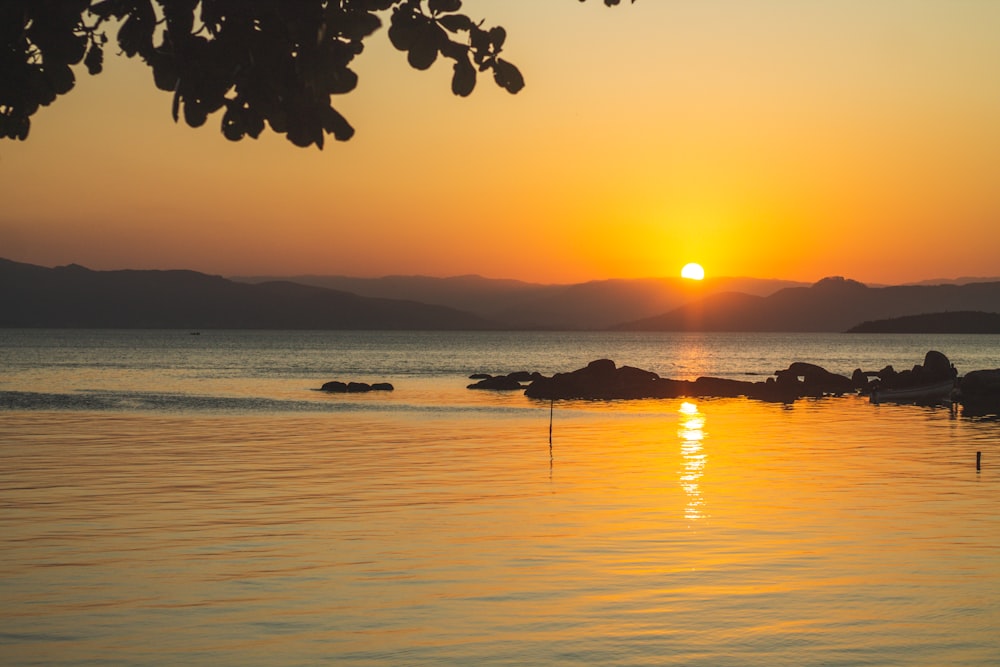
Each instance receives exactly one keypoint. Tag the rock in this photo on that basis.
(979, 393)
(859, 379)
(721, 387)
(815, 380)
(335, 387)
(937, 367)
(601, 379)
(510, 381)
(981, 384)
(497, 383)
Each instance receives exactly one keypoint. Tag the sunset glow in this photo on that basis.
(768, 140)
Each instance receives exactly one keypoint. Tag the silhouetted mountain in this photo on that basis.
(965, 322)
(597, 304)
(483, 296)
(73, 296)
(832, 304)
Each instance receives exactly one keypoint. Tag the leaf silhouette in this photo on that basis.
(463, 81)
(265, 63)
(508, 76)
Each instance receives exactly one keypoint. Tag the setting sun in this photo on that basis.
(693, 271)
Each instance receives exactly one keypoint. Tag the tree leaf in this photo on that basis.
(456, 22)
(233, 127)
(497, 37)
(463, 82)
(424, 50)
(61, 77)
(94, 59)
(336, 124)
(195, 114)
(164, 71)
(403, 29)
(507, 76)
(439, 6)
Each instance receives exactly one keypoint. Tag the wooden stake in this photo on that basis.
(979, 459)
(552, 407)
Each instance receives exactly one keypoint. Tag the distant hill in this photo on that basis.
(963, 280)
(76, 297)
(966, 322)
(832, 304)
(595, 305)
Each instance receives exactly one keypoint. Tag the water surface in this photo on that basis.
(211, 508)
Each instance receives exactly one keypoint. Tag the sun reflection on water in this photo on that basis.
(691, 430)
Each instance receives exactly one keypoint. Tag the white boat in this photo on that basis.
(937, 392)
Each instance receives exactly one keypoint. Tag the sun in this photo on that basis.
(693, 271)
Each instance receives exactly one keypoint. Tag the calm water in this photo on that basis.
(173, 499)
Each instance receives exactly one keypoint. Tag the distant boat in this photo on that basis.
(937, 392)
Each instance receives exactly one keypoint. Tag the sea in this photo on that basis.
(191, 498)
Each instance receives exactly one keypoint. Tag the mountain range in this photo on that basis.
(832, 304)
(74, 296)
(593, 305)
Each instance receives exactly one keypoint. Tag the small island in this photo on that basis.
(957, 322)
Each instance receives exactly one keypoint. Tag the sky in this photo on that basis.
(791, 139)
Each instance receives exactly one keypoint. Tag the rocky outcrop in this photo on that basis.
(509, 382)
(936, 368)
(337, 387)
(602, 379)
(812, 380)
(498, 383)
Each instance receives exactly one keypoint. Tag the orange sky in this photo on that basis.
(775, 138)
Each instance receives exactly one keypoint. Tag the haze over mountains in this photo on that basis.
(598, 304)
(73, 296)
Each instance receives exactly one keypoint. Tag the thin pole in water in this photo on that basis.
(552, 407)
(979, 459)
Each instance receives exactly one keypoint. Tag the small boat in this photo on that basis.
(937, 392)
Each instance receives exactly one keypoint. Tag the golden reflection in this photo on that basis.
(691, 430)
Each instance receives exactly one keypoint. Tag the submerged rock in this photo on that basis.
(337, 387)
(508, 382)
(497, 383)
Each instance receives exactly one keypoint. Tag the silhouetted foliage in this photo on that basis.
(263, 63)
